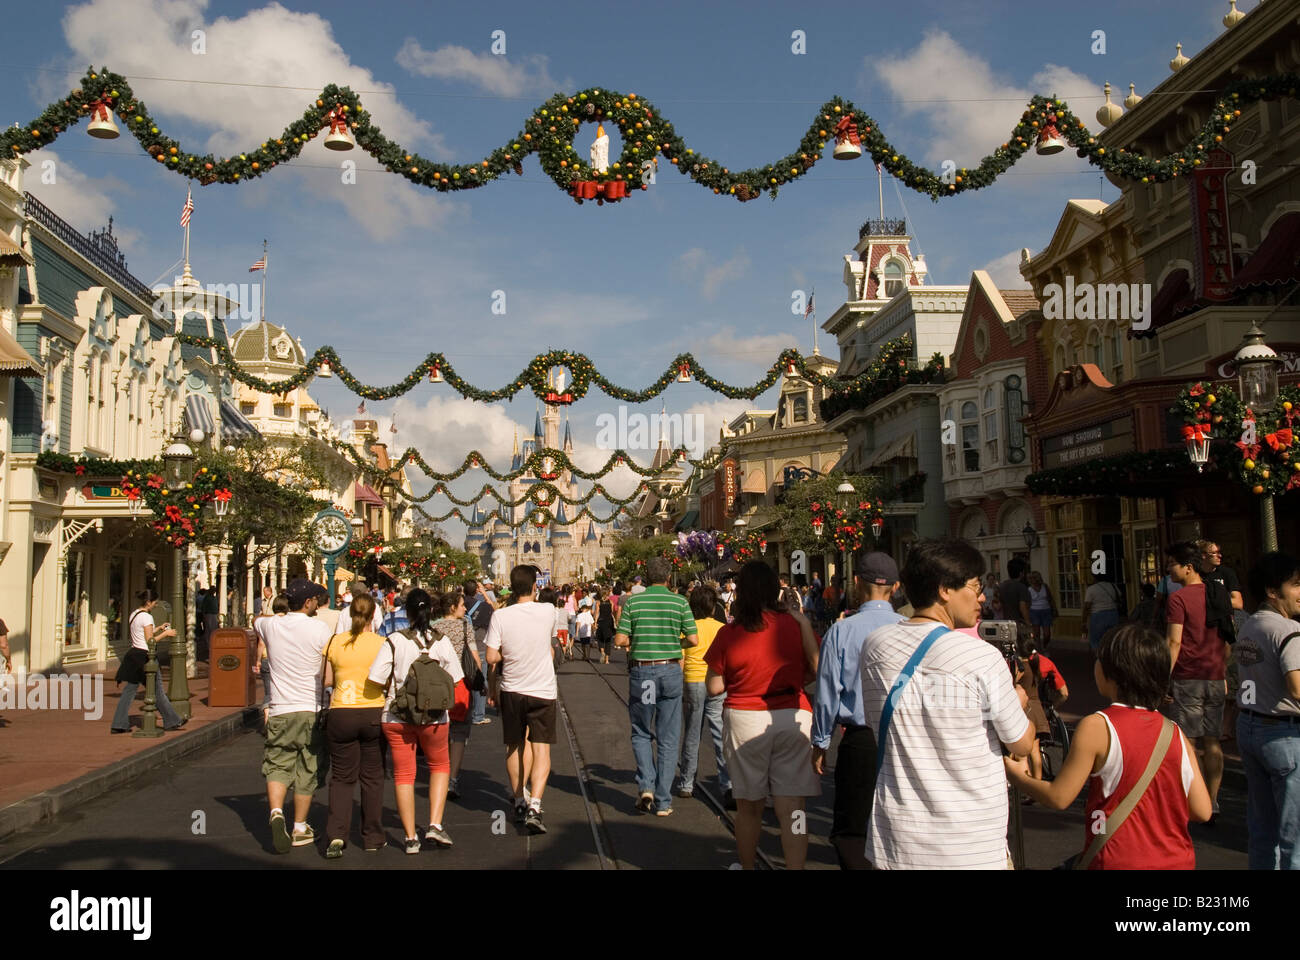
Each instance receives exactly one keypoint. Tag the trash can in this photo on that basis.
(230, 670)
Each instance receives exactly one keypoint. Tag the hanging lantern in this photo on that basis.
(136, 504)
(762, 545)
(877, 527)
(722, 549)
(1197, 439)
(435, 374)
(1049, 140)
(101, 122)
(684, 373)
(339, 137)
(848, 145)
(221, 502)
(818, 525)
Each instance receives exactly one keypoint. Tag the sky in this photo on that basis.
(385, 271)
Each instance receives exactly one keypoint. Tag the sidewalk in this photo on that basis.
(54, 759)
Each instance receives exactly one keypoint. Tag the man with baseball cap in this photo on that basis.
(295, 652)
(839, 702)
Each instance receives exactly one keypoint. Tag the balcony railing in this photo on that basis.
(114, 266)
(883, 228)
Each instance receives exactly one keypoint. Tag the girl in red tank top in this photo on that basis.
(1110, 752)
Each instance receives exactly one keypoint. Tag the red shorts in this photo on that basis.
(431, 738)
(562, 635)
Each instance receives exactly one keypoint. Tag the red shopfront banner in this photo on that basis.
(1209, 186)
(728, 487)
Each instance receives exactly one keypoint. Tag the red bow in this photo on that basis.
(1196, 390)
(222, 495)
(338, 123)
(1195, 433)
(1279, 440)
(99, 110)
(846, 129)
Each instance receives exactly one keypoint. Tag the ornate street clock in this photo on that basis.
(330, 534)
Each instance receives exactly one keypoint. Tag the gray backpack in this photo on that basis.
(427, 691)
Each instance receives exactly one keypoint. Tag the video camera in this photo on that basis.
(1005, 635)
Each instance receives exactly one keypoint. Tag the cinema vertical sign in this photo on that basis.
(1209, 186)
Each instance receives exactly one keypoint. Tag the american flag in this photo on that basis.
(187, 209)
(260, 265)
(361, 408)
(809, 309)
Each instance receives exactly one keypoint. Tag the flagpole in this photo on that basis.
(880, 189)
(266, 275)
(812, 312)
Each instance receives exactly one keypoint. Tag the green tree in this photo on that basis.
(622, 563)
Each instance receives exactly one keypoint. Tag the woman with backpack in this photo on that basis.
(455, 626)
(353, 733)
(418, 653)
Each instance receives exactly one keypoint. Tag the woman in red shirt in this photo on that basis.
(762, 661)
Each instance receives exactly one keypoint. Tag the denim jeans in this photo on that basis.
(698, 709)
(478, 701)
(122, 716)
(655, 701)
(1270, 752)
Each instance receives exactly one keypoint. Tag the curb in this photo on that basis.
(48, 804)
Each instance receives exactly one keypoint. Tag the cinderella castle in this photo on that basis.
(565, 551)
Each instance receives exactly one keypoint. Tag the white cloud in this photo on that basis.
(85, 202)
(1005, 271)
(487, 71)
(727, 351)
(968, 109)
(699, 265)
(280, 59)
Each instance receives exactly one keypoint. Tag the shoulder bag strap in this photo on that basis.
(1282, 646)
(896, 691)
(477, 603)
(1117, 818)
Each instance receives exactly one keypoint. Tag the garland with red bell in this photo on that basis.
(178, 511)
(1257, 447)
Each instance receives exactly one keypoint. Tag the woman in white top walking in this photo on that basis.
(393, 662)
(1042, 610)
(143, 631)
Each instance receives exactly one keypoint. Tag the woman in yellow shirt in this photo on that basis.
(698, 708)
(353, 733)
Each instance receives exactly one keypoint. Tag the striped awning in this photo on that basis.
(904, 448)
(12, 255)
(198, 415)
(14, 360)
(234, 425)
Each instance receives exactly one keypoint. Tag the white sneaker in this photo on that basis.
(735, 866)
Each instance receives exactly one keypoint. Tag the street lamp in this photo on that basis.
(844, 494)
(178, 464)
(1257, 367)
(1030, 535)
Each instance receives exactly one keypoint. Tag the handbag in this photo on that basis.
(474, 678)
(1121, 812)
(460, 709)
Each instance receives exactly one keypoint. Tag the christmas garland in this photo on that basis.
(537, 518)
(1112, 476)
(364, 545)
(535, 463)
(1258, 448)
(646, 135)
(178, 511)
(890, 370)
(583, 374)
(540, 493)
(94, 466)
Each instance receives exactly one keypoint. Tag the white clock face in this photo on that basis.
(331, 533)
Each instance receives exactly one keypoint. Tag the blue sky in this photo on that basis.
(385, 271)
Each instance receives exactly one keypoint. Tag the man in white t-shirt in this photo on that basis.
(519, 650)
(941, 793)
(295, 651)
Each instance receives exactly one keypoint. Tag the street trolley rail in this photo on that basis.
(713, 801)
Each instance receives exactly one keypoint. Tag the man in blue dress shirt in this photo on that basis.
(839, 701)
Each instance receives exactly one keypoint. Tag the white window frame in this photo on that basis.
(965, 424)
(990, 414)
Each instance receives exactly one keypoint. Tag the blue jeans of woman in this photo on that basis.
(698, 709)
(122, 716)
(1270, 752)
(1098, 624)
(478, 701)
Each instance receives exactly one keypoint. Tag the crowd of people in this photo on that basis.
(935, 719)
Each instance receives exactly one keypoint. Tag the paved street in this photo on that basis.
(154, 823)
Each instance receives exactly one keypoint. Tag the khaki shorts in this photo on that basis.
(1197, 707)
(768, 753)
(294, 744)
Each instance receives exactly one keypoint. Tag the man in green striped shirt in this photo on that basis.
(654, 625)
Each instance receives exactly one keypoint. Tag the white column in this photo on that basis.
(249, 594)
(222, 602)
